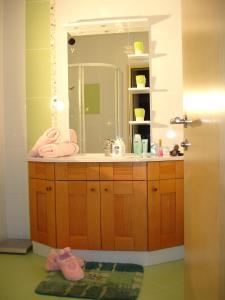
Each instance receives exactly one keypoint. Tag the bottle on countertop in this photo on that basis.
(137, 145)
(118, 147)
(160, 149)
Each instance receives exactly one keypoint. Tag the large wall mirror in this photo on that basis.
(98, 78)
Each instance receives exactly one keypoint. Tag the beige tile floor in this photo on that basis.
(20, 274)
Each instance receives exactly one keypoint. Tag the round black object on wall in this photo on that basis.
(71, 41)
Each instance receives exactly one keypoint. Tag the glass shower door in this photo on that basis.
(95, 104)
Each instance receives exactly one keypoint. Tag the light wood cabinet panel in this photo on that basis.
(41, 170)
(123, 171)
(180, 169)
(153, 171)
(139, 171)
(77, 171)
(165, 170)
(106, 171)
(78, 214)
(165, 213)
(42, 211)
(124, 215)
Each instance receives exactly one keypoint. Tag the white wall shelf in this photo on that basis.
(136, 90)
(143, 57)
(147, 122)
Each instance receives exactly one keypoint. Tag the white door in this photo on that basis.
(204, 102)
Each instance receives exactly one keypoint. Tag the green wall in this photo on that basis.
(38, 68)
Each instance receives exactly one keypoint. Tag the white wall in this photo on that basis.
(2, 198)
(165, 36)
(15, 164)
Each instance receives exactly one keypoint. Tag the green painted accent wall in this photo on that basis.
(92, 98)
(38, 69)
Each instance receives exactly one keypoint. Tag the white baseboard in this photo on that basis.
(137, 257)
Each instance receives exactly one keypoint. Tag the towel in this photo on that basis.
(57, 150)
(73, 136)
(50, 136)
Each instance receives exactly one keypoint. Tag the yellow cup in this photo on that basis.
(140, 81)
(138, 47)
(139, 114)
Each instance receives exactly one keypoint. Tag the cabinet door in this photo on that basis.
(124, 215)
(165, 213)
(42, 211)
(78, 214)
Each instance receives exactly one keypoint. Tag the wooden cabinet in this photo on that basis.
(124, 215)
(78, 214)
(105, 212)
(42, 203)
(110, 206)
(165, 204)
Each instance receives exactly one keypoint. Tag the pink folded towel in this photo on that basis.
(50, 136)
(73, 136)
(57, 150)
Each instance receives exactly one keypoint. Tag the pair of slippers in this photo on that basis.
(64, 260)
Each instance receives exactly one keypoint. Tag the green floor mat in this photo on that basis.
(106, 281)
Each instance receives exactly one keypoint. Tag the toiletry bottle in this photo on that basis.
(160, 150)
(144, 146)
(137, 145)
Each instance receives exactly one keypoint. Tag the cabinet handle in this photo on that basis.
(105, 189)
(154, 189)
(92, 189)
(47, 188)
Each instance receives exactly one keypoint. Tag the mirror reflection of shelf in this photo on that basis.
(136, 90)
(143, 57)
(148, 122)
(140, 122)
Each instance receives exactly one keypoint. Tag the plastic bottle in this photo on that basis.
(137, 145)
(144, 146)
(160, 150)
(118, 147)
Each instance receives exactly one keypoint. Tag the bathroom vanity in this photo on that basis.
(95, 202)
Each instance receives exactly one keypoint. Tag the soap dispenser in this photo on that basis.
(118, 147)
(137, 145)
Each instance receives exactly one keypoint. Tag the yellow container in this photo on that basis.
(139, 114)
(138, 47)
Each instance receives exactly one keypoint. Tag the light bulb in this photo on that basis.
(170, 134)
(57, 104)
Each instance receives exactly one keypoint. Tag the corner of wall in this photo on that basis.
(2, 197)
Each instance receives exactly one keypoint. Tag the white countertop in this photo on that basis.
(100, 157)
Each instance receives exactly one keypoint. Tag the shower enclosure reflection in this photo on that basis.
(96, 112)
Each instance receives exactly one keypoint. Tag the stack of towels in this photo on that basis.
(50, 144)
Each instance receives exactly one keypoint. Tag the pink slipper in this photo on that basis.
(52, 264)
(79, 260)
(69, 266)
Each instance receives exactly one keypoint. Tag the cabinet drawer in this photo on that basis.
(165, 170)
(77, 171)
(123, 171)
(41, 170)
